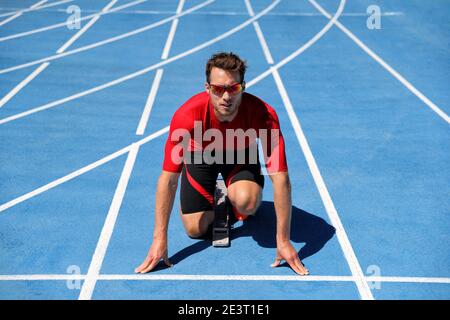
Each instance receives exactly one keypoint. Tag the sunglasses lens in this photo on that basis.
(232, 90)
(217, 90)
(235, 89)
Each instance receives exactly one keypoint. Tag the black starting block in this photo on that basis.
(221, 224)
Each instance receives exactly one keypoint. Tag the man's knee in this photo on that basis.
(245, 201)
(196, 232)
(197, 224)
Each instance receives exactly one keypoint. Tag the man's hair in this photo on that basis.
(227, 61)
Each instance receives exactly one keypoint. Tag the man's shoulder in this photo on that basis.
(196, 102)
(190, 111)
(257, 106)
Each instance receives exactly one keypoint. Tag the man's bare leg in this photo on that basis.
(196, 224)
(245, 196)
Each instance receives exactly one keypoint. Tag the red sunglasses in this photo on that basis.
(232, 90)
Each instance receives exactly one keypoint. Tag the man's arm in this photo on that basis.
(283, 209)
(165, 195)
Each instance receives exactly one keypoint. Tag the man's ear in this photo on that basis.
(207, 87)
(243, 85)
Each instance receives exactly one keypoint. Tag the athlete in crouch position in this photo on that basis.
(216, 132)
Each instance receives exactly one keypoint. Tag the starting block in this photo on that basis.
(221, 224)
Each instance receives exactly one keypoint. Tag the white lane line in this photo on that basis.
(97, 260)
(81, 171)
(18, 14)
(40, 277)
(175, 277)
(194, 277)
(149, 104)
(297, 52)
(63, 24)
(43, 66)
(106, 41)
(23, 83)
(85, 27)
(173, 28)
(157, 79)
(94, 270)
(346, 246)
(32, 8)
(259, 33)
(386, 66)
(142, 71)
(409, 279)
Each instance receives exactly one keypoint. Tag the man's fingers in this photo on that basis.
(143, 265)
(277, 262)
(298, 267)
(151, 265)
(294, 266)
(302, 268)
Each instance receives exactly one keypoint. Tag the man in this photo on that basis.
(209, 117)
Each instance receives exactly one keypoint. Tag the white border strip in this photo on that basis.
(386, 66)
(193, 277)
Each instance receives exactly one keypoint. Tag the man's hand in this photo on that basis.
(165, 194)
(285, 251)
(157, 251)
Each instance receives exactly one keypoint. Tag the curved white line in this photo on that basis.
(386, 66)
(48, 5)
(63, 24)
(81, 171)
(122, 151)
(363, 287)
(300, 50)
(109, 40)
(142, 71)
(20, 13)
(347, 249)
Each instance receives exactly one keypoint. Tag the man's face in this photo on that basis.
(225, 104)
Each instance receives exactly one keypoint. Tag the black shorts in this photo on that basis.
(198, 182)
